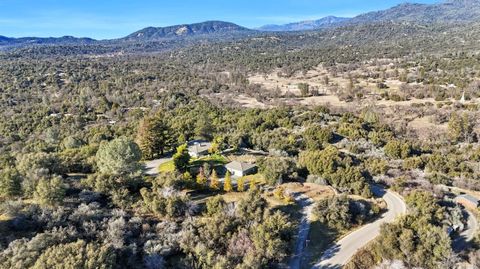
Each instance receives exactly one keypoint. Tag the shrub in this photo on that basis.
(50, 191)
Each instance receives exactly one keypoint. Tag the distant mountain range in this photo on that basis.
(450, 11)
(305, 25)
(65, 40)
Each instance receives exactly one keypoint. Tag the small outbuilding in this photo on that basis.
(198, 148)
(240, 169)
(467, 201)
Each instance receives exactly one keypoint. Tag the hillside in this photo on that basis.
(65, 40)
(185, 30)
(453, 11)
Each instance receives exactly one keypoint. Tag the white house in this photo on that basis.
(240, 169)
(198, 148)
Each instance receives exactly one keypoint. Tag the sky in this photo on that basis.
(105, 19)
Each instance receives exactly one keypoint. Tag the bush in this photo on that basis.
(334, 212)
(77, 255)
(50, 191)
(376, 166)
(315, 137)
(277, 169)
(398, 150)
(413, 163)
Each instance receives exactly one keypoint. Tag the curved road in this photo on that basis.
(339, 254)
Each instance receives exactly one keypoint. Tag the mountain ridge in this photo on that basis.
(185, 30)
(304, 25)
(447, 12)
(451, 11)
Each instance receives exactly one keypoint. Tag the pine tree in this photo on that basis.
(120, 156)
(253, 184)
(187, 177)
(201, 178)
(10, 183)
(227, 187)
(153, 137)
(214, 183)
(50, 191)
(181, 159)
(241, 184)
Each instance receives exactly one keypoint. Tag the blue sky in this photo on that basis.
(103, 19)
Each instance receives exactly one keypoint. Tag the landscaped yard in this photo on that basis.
(166, 167)
(212, 159)
(215, 160)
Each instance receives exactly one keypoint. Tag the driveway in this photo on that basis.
(306, 204)
(341, 253)
(151, 167)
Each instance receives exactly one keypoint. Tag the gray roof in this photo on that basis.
(468, 198)
(199, 146)
(239, 166)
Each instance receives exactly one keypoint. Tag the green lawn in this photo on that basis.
(166, 167)
(215, 160)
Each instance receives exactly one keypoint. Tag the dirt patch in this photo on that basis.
(250, 102)
(314, 191)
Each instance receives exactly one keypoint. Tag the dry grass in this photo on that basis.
(315, 78)
(314, 191)
(233, 197)
(246, 158)
(250, 102)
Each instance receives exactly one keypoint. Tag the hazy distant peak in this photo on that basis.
(305, 25)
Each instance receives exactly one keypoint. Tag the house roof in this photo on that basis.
(468, 198)
(199, 146)
(239, 166)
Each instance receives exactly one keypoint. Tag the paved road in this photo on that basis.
(339, 254)
(151, 167)
(306, 203)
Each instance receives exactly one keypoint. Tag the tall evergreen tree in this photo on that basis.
(214, 182)
(10, 183)
(227, 186)
(241, 184)
(201, 179)
(181, 158)
(153, 137)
